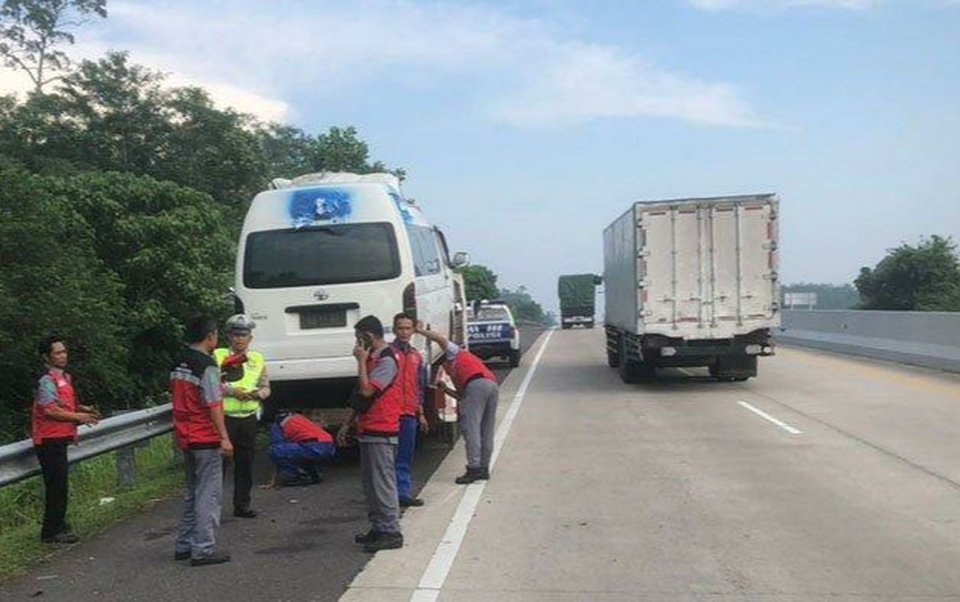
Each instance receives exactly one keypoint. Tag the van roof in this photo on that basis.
(336, 177)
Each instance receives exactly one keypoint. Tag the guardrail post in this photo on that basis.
(126, 466)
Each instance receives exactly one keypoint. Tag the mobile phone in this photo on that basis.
(364, 340)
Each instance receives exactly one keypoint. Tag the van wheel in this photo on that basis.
(514, 358)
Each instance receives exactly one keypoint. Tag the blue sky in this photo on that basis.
(526, 127)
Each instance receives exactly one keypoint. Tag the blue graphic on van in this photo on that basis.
(320, 205)
(405, 215)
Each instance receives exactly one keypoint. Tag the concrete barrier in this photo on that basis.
(928, 339)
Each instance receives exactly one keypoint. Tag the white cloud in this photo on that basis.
(717, 5)
(519, 70)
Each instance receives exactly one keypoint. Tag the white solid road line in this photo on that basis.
(776, 421)
(433, 578)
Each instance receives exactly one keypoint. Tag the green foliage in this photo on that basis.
(829, 296)
(114, 263)
(523, 307)
(120, 202)
(53, 281)
(921, 278)
(30, 31)
(480, 282)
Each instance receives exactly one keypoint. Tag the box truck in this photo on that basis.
(577, 293)
(692, 282)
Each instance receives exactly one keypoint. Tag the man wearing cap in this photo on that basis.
(243, 373)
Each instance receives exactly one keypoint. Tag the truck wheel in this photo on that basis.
(613, 360)
(632, 371)
(514, 358)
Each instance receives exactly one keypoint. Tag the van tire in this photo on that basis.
(514, 358)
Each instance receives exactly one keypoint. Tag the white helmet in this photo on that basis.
(240, 323)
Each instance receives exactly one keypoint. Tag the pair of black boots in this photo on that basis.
(374, 541)
(473, 474)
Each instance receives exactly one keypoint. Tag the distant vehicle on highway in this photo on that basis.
(492, 332)
(577, 294)
(692, 282)
(320, 251)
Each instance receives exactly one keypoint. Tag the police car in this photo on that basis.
(492, 332)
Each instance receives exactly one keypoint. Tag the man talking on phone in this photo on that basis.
(376, 407)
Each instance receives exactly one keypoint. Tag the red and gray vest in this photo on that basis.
(192, 424)
(45, 427)
(383, 417)
(409, 363)
(297, 428)
(466, 367)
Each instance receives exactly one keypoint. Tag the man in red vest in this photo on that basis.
(376, 413)
(200, 431)
(411, 379)
(475, 386)
(56, 414)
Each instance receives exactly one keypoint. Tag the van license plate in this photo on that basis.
(323, 318)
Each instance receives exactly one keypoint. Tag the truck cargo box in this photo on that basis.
(694, 268)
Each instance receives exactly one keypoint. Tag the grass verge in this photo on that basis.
(91, 483)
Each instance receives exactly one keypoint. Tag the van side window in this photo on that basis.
(426, 256)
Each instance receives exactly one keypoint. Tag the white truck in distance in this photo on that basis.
(692, 282)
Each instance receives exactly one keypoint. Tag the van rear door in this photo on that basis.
(307, 287)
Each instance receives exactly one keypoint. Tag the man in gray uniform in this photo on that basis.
(376, 411)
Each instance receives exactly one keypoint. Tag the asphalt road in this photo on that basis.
(827, 478)
(299, 548)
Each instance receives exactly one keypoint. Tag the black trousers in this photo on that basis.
(243, 436)
(52, 454)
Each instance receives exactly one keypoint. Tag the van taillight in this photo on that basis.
(410, 300)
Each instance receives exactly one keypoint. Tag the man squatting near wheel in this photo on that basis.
(376, 413)
(412, 380)
(477, 391)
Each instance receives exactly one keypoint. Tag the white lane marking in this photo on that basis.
(685, 371)
(433, 578)
(776, 421)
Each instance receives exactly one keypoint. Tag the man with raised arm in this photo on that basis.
(476, 388)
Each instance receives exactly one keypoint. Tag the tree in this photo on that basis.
(523, 307)
(53, 281)
(30, 31)
(480, 281)
(921, 278)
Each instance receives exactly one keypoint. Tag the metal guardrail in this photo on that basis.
(18, 460)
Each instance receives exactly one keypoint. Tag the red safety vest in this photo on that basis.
(464, 367)
(45, 427)
(192, 424)
(297, 428)
(408, 378)
(383, 417)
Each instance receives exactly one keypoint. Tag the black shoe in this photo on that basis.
(484, 473)
(245, 512)
(62, 537)
(298, 481)
(384, 541)
(315, 476)
(211, 559)
(178, 556)
(472, 474)
(407, 502)
(367, 537)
